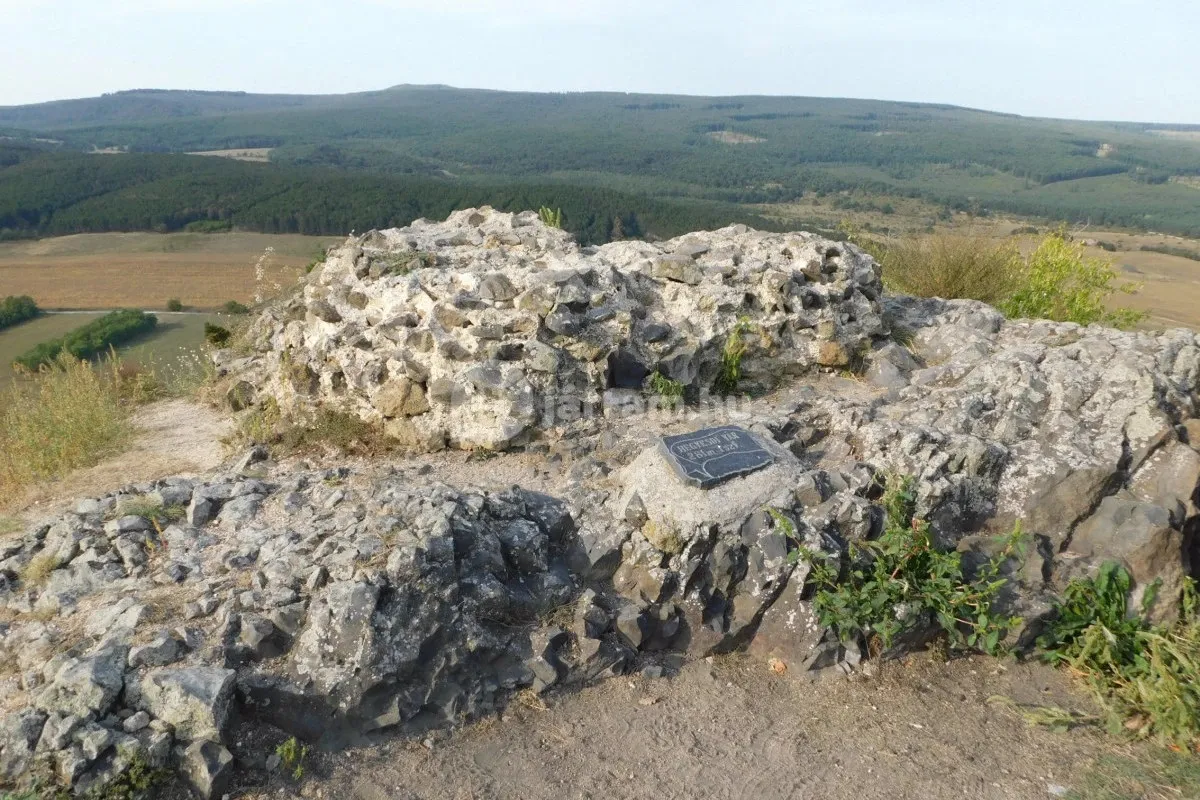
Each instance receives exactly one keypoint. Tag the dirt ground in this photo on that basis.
(730, 728)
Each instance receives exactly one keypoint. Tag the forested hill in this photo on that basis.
(45, 193)
(730, 149)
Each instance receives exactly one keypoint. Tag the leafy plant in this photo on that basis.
(551, 217)
(1060, 282)
(234, 307)
(174, 304)
(1146, 677)
(730, 373)
(901, 582)
(291, 757)
(663, 386)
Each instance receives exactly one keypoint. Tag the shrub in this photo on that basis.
(900, 583)
(1061, 283)
(17, 309)
(1145, 677)
(67, 416)
(971, 267)
(216, 335)
(174, 304)
(92, 339)
(234, 307)
(1166, 249)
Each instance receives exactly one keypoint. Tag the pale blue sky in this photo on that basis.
(1101, 59)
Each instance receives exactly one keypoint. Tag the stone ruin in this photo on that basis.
(335, 601)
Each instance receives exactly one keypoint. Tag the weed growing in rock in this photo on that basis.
(551, 217)
(38, 569)
(150, 510)
(291, 757)
(1146, 677)
(901, 583)
(730, 373)
(403, 262)
(663, 386)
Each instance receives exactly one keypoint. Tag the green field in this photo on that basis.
(173, 345)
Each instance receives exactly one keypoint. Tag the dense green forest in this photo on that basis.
(53, 193)
(730, 150)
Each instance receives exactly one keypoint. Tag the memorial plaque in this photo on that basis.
(710, 456)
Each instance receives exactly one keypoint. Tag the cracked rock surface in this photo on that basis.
(334, 600)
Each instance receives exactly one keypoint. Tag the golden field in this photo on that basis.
(145, 270)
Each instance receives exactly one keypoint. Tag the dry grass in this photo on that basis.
(203, 270)
(953, 266)
(38, 570)
(68, 416)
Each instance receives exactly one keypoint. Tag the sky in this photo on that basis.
(1101, 59)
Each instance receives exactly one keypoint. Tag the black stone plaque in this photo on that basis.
(710, 456)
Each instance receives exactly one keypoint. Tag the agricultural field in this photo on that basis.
(171, 347)
(145, 270)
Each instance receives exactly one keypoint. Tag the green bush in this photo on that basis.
(114, 328)
(1146, 677)
(17, 309)
(901, 582)
(174, 304)
(216, 335)
(234, 307)
(1060, 282)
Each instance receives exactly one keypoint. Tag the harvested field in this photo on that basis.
(145, 270)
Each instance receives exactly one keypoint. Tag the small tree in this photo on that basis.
(1062, 283)
(174, 304)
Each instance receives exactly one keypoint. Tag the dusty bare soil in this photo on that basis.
(730, 728)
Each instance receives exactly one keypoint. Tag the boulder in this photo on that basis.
(196, 700)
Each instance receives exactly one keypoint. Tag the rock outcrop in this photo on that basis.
(487, 329)
(325, 603)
